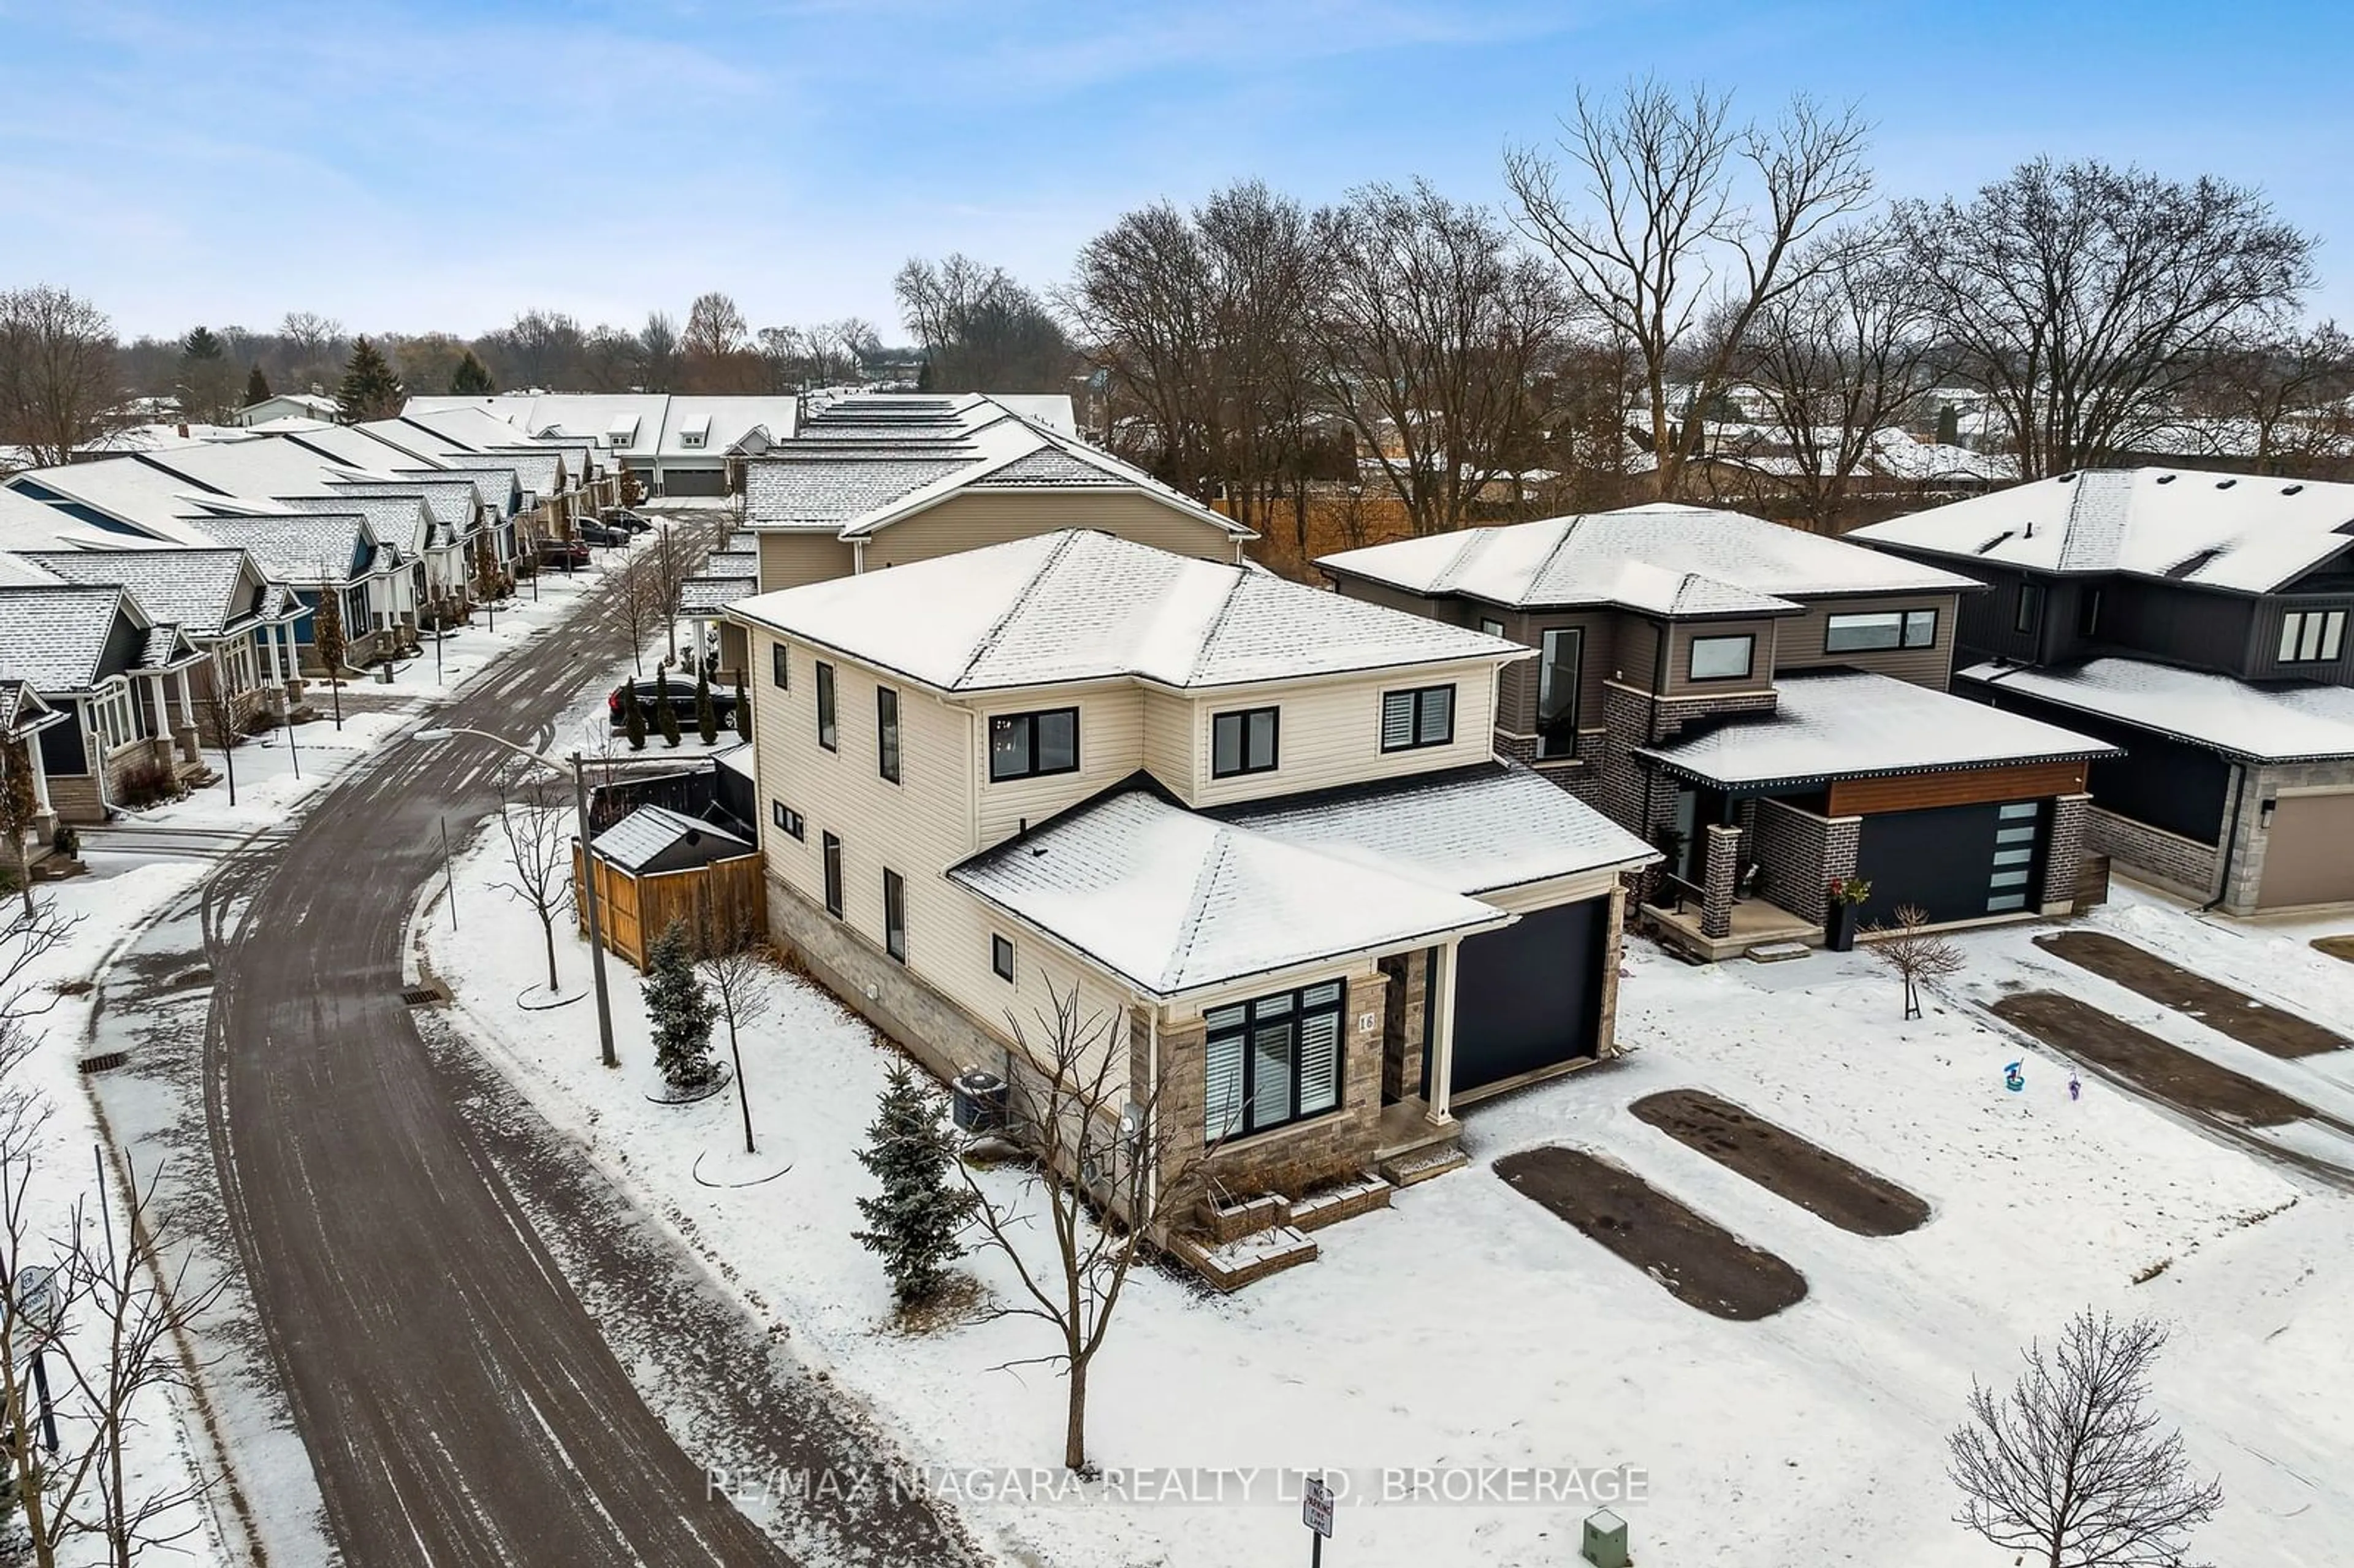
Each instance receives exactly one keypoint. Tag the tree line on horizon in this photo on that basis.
(1662, 271)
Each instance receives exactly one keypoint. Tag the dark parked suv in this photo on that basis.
(681, 702)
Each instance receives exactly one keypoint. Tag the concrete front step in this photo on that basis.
(1249, 1260)
(1421, 1165)
(1776, 952)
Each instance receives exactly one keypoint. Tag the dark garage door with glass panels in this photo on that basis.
(1527, 996)
(1953, 863)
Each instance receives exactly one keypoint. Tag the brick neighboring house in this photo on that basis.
(1767, 706)
(220, 600)
(1258, 827)
(96, 653)
(2197, 619)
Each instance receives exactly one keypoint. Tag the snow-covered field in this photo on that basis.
(1468, 1327)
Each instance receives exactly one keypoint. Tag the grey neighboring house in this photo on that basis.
(221, 602)
(2200, 622)
(322, 553)
(96, 653)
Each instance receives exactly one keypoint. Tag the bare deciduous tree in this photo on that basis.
(539, 864)
(216, 723)
(1918, 955)
(736, 966)
(1109, 1176)
(20, 810)
(1429, 335)
(1647, 208)
(2276, 406)
(2081, 298)
(979, 329)
(59, 372)
(2071, 1465)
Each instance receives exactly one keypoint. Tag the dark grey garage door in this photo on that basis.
(694, 482)
(1954, 863)
(1527, 996)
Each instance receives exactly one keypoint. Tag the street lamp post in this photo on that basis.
(579, 769)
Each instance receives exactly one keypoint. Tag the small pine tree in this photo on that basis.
(369, 390)
(633, 718)
(471, 378)
(681, 1011)
(706, 717)
(914, 1221)
(257, 385)
(743, 710)
(665, 716)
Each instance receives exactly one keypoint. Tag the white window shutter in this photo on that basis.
(1223, 1060)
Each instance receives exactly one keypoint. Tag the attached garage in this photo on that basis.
(694, 482)
(2308, 851)
(1953, 863)
(1528, 996)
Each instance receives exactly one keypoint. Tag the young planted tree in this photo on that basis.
(328, 641)
(1917, 954)
(1110, 1174)
(681, 1011)
(633, 717)
(706, 717)
(20, 808)
(665, 716)
(539, 867)
(914, 1222)
(743, 709)
(369, 390)
(2071, 1466)
(216, 724)
(736, 967)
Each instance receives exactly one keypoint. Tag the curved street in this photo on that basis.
(458, 1402)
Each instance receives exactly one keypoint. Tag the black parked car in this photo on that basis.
(623, 517)
(601, 533)
(681, 702)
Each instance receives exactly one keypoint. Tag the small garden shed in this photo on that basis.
(656, 866)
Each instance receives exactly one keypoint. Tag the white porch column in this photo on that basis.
(1442, 1036)
(187, 703)
(162, 717)
(40, 775)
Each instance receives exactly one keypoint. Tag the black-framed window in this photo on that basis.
(2088, 612)
(781, 667)
(1243, 741)
(1491, 628)
(1001, 959)
(2312, 636)
(886, 733)
(1558, 668)
(1273, 1061)
(2029, 613)
(1878, 630)
(829, 734)
(1422, 716)
(788, 821)
(832, 846)
(1032, 746)
(1720, 657)
(894, 915)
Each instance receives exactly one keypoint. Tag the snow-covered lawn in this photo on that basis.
(1469, 1327)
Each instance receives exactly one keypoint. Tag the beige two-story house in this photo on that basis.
(1258, 830)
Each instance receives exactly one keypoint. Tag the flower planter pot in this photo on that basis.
(1839, 933)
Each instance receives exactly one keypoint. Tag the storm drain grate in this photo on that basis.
(104, 1062)
(423, 996)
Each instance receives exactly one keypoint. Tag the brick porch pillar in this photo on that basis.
(1718, 879)
(2063, 854)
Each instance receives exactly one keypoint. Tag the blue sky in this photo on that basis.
(433, 163)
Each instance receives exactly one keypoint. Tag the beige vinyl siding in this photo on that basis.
(1761, 655)
(1168, 721)
(788, 560)
(1798, 641)
(1330, 733)
(1111, 746)
(975, 518)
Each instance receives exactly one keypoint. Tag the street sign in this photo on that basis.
(1316, 1507)
(34, 1300)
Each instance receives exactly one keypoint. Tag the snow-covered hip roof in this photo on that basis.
(2287, 722)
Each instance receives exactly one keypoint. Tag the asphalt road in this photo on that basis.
(458, 1402)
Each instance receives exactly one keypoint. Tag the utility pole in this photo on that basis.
(596, 930)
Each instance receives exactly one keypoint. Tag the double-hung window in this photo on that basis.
(1273, 1061)
(1877, 630)
(2312, 636)
(781, 667)
(1241, 742)
(1422, 716)
(1031, 745)
(828, 735)
(833, 875)
(1557, 673)
(886, 733)
(894, 915)
(1722, 658)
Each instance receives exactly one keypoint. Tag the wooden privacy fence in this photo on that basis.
(727, 897)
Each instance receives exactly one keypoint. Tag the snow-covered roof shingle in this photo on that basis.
(2238, 533)
(201, 591)
(2277, 722)
(1079, 605)
(54, 639)
(1851, 723)
(637, 840)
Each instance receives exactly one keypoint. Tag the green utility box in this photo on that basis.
(1605, 1539)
